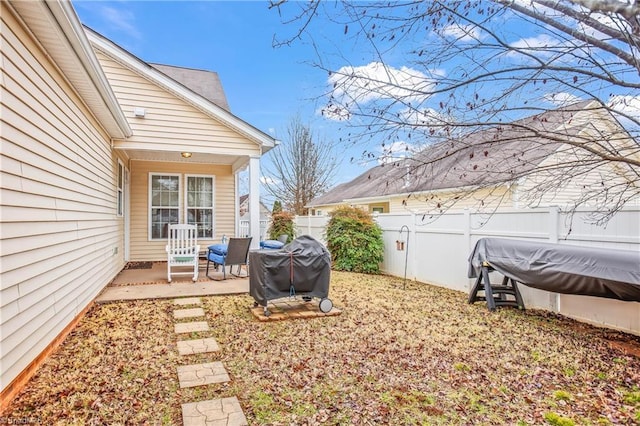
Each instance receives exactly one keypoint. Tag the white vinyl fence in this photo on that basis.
(244, 229)
(436, 252)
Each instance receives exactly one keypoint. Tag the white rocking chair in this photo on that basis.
(182, 250)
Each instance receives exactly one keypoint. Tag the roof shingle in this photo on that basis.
(490, 156)
(205, 83)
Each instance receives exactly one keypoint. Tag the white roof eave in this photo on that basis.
(59, 31)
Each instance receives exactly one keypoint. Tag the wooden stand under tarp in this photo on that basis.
(505, 294)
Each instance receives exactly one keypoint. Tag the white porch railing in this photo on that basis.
(244, 229)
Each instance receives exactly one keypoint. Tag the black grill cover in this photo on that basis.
(304, 264)
(588, 271)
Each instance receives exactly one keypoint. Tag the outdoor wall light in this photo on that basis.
(185, 154)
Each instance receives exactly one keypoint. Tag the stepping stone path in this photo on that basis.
(190, 376)
(220, 411)
(223, 411)
(191, 327)
(188, 313)
(187, 301)
(197, 346)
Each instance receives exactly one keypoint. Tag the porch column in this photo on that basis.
(238, 184)
(254, 201)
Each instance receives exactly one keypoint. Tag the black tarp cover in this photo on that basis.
(588, 271)
(271, 271)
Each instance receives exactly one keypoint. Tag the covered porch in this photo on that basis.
(163, 187)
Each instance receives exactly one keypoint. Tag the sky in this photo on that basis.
(268, 86)
(265, 86)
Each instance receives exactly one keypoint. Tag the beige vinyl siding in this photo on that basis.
(565, 196)
(573, 181)
(485, 198)
(424, 203)
(142, 248)
(59, 230)
(384, 206)
(170, 123)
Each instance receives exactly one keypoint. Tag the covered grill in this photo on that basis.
(587, 271)
(300, 268)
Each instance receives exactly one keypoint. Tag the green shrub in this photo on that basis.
(354, 240)
(281, 223)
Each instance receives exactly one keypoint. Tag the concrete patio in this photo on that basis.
(151, 283)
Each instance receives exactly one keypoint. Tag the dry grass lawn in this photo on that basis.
(419, 355)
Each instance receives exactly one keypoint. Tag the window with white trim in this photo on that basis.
(120, 190)
(199, 203)
(164, 204)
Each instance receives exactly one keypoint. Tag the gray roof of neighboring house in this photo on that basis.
(205, 83)
(245, 199)
(499, 154)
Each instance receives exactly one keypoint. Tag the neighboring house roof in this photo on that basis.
(206, 83)
(244, 200)
(58, 29)
(198, 100)
(492, 156)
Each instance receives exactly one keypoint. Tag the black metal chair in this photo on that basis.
(235, 253)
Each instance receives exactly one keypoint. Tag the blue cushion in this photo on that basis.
(216, 258)
(220, 249)
(271, 244)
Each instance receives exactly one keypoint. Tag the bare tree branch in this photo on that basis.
(444, 71)
(577, 33)
(630, 10)
(303, 167)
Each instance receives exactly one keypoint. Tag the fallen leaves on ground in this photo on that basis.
(414, 354)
